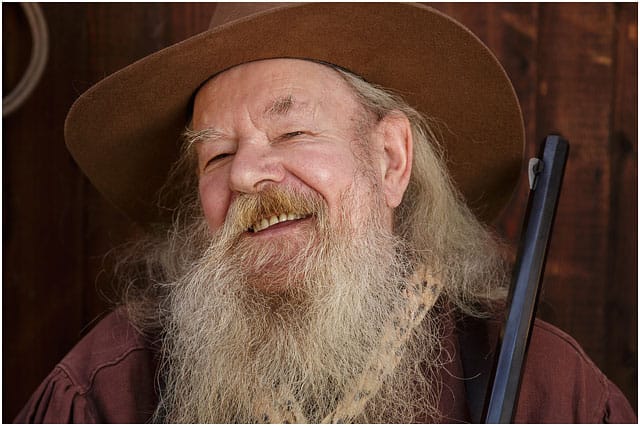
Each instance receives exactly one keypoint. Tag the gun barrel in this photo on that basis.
(545, 183)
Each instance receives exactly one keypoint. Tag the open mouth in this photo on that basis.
(266, 223)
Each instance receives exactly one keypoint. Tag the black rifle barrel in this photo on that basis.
(545, 180)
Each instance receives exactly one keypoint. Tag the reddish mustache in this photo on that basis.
(248, 209)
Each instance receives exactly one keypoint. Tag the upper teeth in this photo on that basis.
(265, 223)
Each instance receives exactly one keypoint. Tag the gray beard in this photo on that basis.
(231, 352)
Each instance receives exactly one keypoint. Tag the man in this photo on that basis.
(320, 263)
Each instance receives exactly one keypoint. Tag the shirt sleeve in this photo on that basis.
(617, 409)
(561, 384)
(57, 400)
(108, 377)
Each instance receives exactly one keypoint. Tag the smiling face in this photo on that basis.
(295, 126)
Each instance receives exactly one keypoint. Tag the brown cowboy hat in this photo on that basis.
(124, 131)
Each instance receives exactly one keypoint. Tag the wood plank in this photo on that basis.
(575, 81)
(622, 291)
(42, 216)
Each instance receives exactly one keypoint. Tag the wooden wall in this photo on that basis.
(574, 67)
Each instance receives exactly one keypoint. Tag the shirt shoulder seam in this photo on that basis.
(83, 389)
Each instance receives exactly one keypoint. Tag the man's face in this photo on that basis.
(286, 123)
(295, 310)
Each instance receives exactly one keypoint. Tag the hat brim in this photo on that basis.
(124, 131)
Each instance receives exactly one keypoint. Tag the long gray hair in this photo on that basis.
(434, 219)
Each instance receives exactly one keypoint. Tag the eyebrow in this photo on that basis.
(191, 136)
(280, 106)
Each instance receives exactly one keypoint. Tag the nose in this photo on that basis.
(254, 166)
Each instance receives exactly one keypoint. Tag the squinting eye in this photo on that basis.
(292, 134)
(217, 158)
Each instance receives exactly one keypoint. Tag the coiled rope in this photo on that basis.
(37, 63)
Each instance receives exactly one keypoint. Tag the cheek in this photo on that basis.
(214, 201)
(328, 174)
(349, 187)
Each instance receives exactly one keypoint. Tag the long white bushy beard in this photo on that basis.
(232, 350)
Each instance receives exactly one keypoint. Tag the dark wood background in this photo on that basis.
(574, 67)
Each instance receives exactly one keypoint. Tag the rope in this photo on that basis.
(37, 63)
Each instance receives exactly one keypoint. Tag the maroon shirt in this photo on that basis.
(110, 377)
